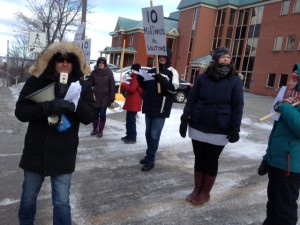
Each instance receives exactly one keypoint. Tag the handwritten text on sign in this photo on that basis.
(154, 30)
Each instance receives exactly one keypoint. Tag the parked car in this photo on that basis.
(182, 91)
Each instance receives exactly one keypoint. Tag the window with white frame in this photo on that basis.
(297, 6)
(278, 43)
(271, 80)
(290, 43)
(283, 80)
(131, 39)
(285, 7)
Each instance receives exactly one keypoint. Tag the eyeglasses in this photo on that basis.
(62, 60)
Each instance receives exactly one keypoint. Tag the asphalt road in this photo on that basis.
(109, 188)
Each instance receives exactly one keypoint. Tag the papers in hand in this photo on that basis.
(146, 75)
(73, 93)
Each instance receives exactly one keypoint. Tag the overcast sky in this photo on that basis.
(99, 23)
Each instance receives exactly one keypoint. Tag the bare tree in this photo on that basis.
(20, 58)
(55, 17)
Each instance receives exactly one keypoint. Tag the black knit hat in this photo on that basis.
(219, 52)
(136, 67)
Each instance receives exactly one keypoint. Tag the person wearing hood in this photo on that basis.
(282, 158)
(213, 115)
(104, 89)
(157, 104)
(49, 151)
(133, 104)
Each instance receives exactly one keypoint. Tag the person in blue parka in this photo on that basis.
(213, 115)
(282, 159)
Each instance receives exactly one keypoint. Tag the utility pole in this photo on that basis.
(83, 17)
(7, 66)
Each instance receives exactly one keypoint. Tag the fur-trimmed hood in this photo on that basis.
(44, 57)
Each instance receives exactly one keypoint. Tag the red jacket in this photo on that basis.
(133, 100)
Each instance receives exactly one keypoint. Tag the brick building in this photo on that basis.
(263, 35)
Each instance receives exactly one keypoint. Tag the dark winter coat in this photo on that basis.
(47, 151)
(159, 104)
(133, 102)
(215, 106)
(104, 89)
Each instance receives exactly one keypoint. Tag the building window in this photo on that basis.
(297, 6)
(285, 7)
(290, 42)
(283, 80)
(271, 80)
(278, 43)
(131, 39)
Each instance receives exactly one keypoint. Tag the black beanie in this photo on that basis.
(219, 52)
(136, 67)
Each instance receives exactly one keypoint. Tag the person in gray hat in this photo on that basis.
(212, 115)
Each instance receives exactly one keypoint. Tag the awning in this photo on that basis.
(202, 61)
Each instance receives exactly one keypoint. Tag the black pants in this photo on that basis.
(206, 157)
(283, 192)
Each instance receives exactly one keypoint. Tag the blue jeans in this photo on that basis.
(102, 113)
(154, 126)
(131, 125)
(60, 198)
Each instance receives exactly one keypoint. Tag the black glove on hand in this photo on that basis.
(277, 105)
(57, 106)
(233, 135)
(61, 90)
(158, 77)
(140, 79)
(183, 126)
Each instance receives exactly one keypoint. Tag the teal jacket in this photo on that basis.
(283, 150)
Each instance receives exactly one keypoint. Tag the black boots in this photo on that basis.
(146, 165)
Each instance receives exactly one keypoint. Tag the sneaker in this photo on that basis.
(148, 166)
(124, 138)
(263, 168)
(143, 161)
(129, 141)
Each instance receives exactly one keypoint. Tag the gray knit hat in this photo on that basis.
(219, 52)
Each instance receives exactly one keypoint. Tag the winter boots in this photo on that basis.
(198, 178)
(203, 186)
(204, 195)
(98, 127)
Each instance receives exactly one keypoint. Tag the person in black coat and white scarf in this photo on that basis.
(213, 113)
(157, 104)
(48, 151)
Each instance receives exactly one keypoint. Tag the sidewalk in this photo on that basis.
(109, 188)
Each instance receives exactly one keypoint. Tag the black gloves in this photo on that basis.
(183, 126)
(61, 90)
(159, 78)
(140, 79)
(57, 106)
(277, 105)
(233, 135)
